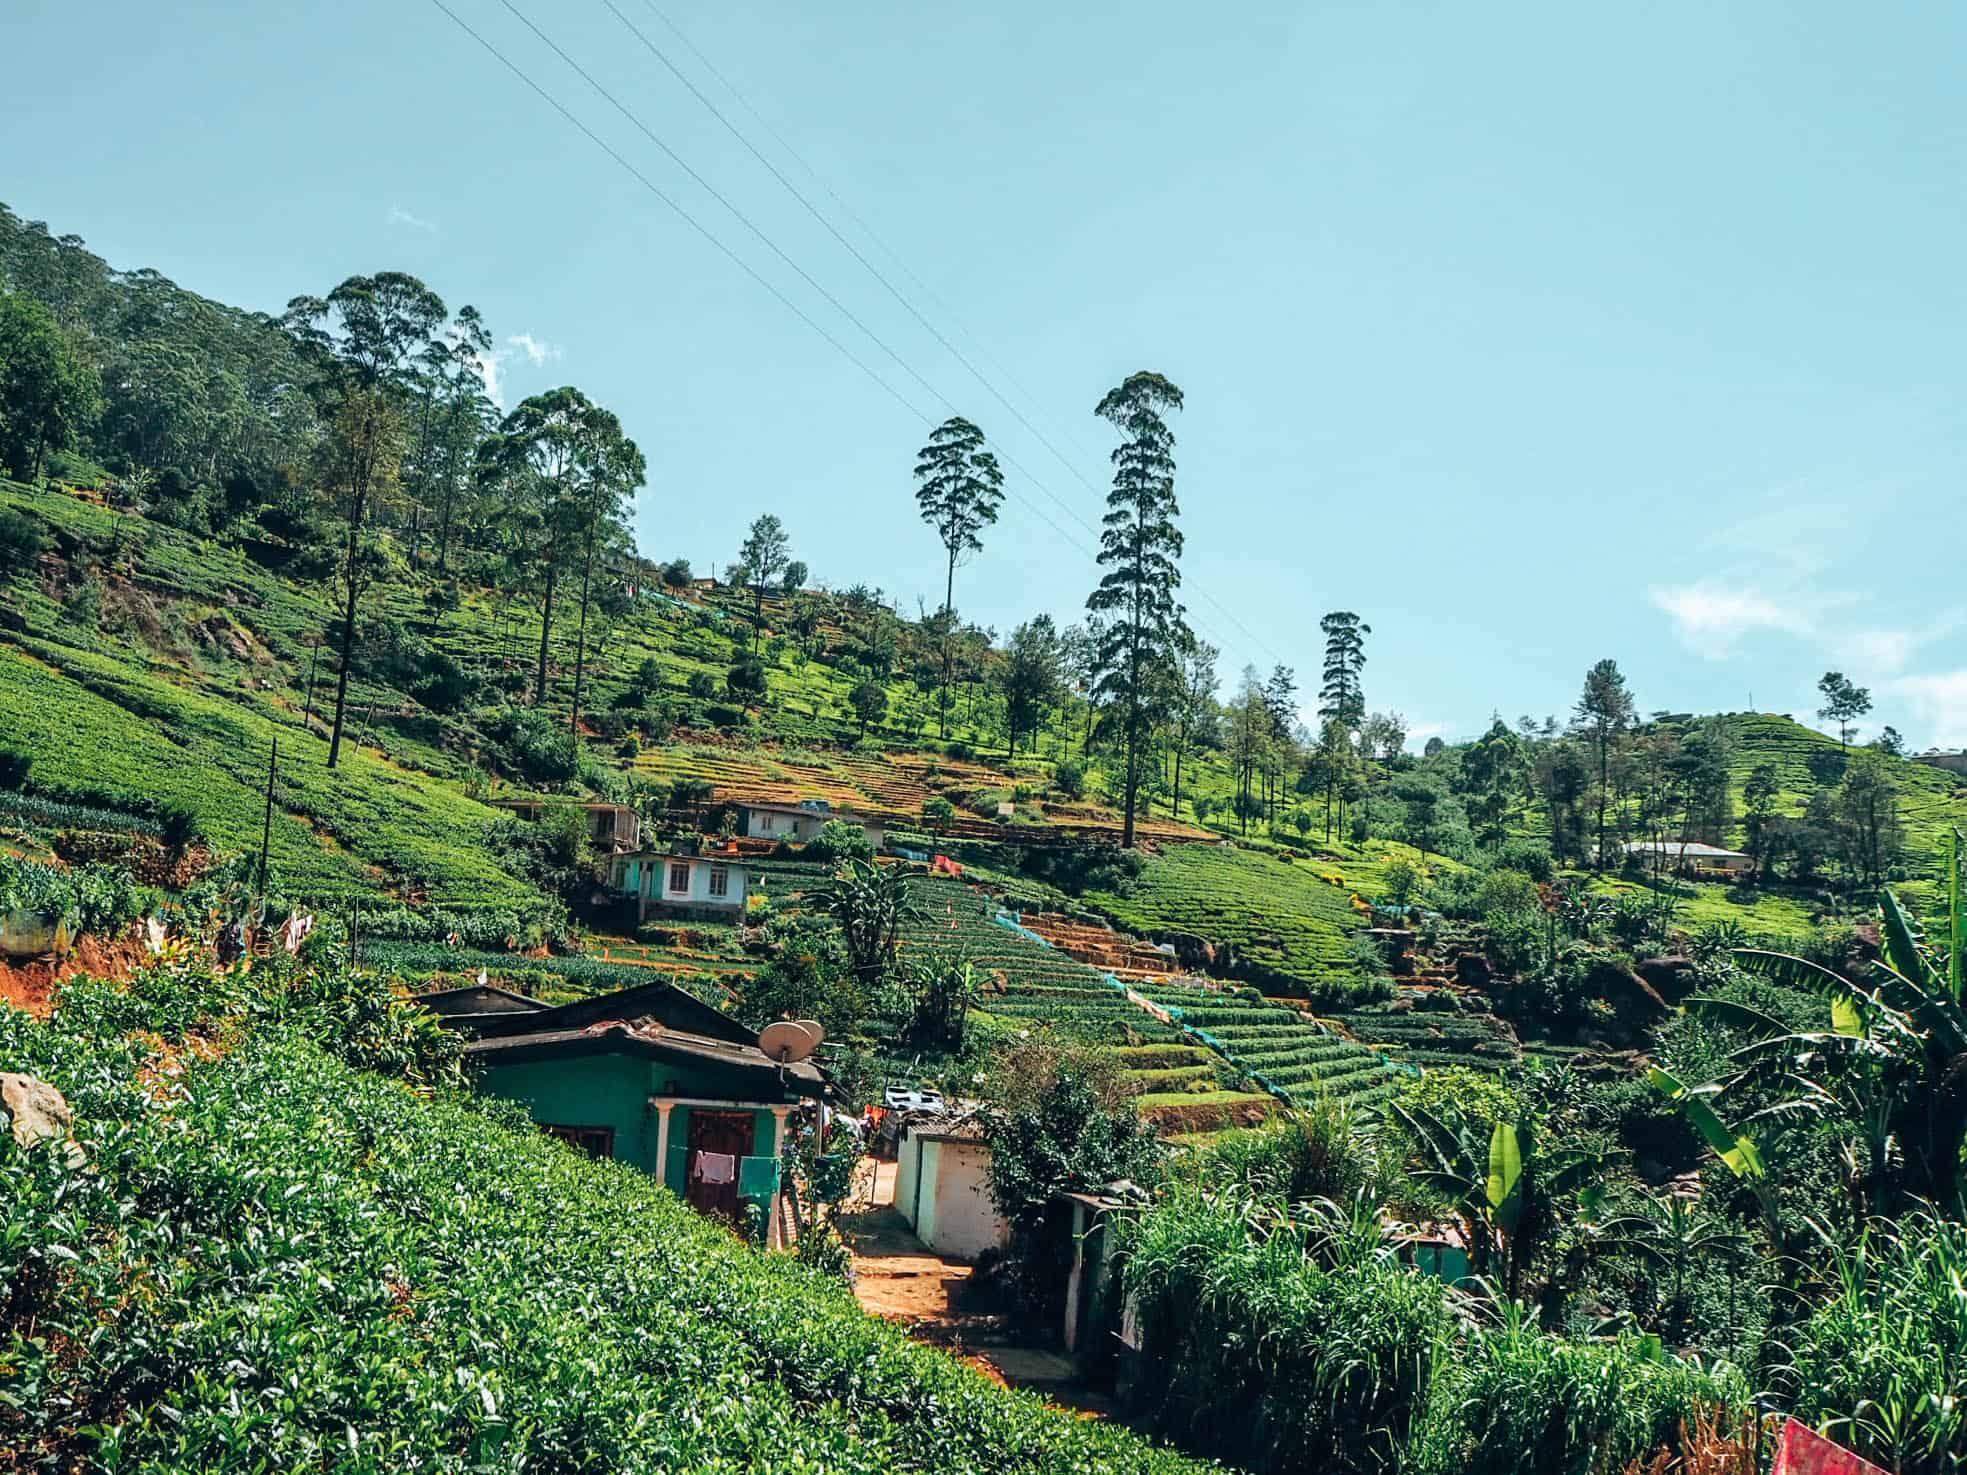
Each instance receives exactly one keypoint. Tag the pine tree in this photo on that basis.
(1604, 713)
(958, 489)
(1140, 549)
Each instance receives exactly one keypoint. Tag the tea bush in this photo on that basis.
(275, 1262)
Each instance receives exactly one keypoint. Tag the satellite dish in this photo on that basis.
(814, 1031)
(786, 1041)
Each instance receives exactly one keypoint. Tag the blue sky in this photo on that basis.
(1535, 334)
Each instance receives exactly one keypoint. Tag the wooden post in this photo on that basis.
(266, 830)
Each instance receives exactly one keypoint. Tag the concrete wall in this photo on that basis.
(942, 1190)
(776, 825)
(966, 1220)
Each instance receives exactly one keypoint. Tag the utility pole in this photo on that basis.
(266, 830)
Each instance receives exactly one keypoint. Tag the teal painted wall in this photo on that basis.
(613, 1091)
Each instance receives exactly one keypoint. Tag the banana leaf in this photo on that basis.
(1737, 1150)
(1505, 1185)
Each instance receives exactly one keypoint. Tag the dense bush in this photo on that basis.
(534, 746)
(1273, 1346)
(100, 899)
(1884, 1358)
(1512, 1400)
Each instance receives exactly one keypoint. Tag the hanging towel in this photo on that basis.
(716, 1167)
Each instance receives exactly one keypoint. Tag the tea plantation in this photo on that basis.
(261, 1259)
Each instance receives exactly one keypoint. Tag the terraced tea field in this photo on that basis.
(1290, 923)
(1427, 1037)
(1277, 1046)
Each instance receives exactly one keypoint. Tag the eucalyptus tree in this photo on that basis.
(611, 469)
(540, 460)
(451, 418)
(959, 488)
(362, 338)
(1140, 550)
(1603, 716)
(1195, 712)
(48, 397)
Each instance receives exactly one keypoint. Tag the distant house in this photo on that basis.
(613, 828)
(1690, 855)
(803, 821)
(662, 881)
(1939, 758)
(649, 1076)
(942, 1189)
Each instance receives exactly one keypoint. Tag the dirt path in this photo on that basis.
(899, 1279)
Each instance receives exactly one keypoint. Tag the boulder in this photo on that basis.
(35, 1109)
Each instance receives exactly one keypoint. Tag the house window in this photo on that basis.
(594, 1141)
(679, 875)
(720, 881)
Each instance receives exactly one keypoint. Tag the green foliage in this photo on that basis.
(21, 542)
(425, 1282)
(97, 899)
(1881, 1361)
(1280, 1344)
(1516, 1401)
(841, 839)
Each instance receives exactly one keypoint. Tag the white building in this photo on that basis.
(942, 1188)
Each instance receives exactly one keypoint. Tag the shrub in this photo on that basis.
(1515, 1401)
(535, 747)
(1069, 778)
(1883, 1360)
(1504, 890)
(841, 839)
(21, 541)
(1274, 1348)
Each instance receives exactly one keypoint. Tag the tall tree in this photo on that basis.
(611, 469)
(1343, 696)
(1761, 798)
(362, 339)
(542, 456)
(1494, 770)
(762, 561)
(1033, 678)
(1604, 714)
(958, 488)
(1195, 709)
(1844, 703)
(1140, 549)
(47, 395)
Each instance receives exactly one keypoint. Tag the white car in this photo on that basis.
(903, 1098)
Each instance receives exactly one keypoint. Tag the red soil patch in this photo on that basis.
(33, 986)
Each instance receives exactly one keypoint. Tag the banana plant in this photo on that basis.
(1506, 1192)
(1892, 1063)
(1671, 1233)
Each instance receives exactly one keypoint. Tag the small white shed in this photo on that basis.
(942, 1188)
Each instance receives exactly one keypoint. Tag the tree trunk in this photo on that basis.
(546, 628)
(353, 574)
(580, 639)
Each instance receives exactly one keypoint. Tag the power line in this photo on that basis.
(732, 255)
(876, 272)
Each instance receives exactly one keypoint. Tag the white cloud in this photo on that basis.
(1710, 618)
(1887, 652)
(1940, 699)
(399, 216)
(490, 364)
(537, 351)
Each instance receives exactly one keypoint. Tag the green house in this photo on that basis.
(649, 1076)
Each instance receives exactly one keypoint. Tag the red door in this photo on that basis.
(717, 1132)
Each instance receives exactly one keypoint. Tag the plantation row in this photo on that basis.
(1427, 1037)
(553, 978)
(1275, 1046)
(308, 1267)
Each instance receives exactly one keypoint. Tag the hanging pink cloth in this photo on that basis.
(716, 1167)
